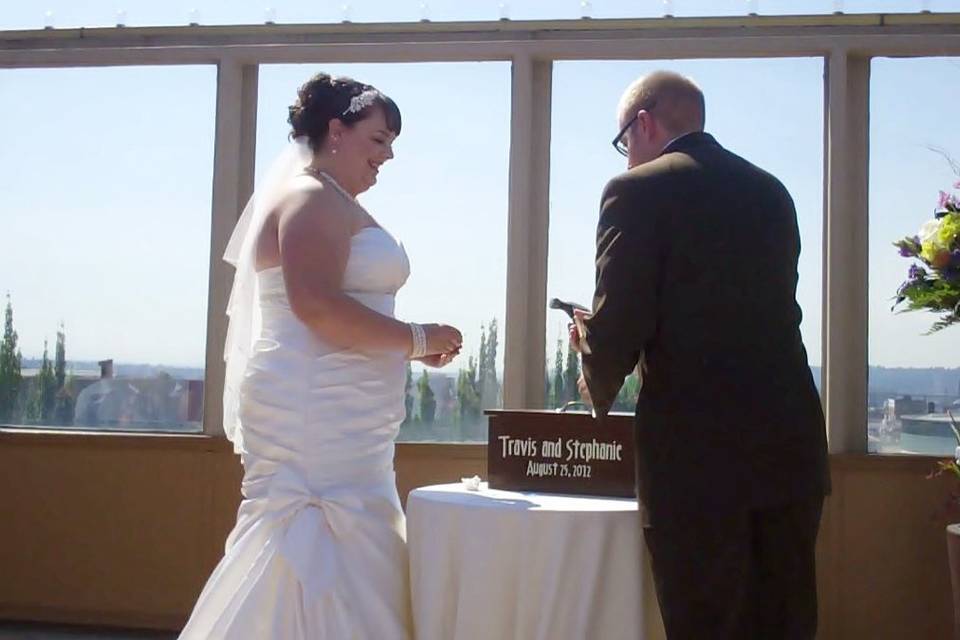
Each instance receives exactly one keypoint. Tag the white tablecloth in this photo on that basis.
(501, 565)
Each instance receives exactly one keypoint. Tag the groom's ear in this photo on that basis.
(645, 124)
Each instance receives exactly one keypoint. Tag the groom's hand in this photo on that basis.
(574, 328)
(584, 391)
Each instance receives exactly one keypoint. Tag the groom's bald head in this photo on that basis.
(674, 100)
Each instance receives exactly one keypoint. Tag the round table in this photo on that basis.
(493, 564)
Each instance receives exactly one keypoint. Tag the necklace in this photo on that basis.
(319, 173)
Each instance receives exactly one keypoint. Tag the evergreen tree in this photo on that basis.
(48, 388)
(43, 394)
(407, 396)
(627, 397)
(492, 343)
(10, 360)
(482, 361)
(558, 398)
(428, 404)
(64, 402)
(463, 389)
(547, 388)
(571, 375)
(446, 403)
(63, 408)
(60, 368)
(489, 385)
(468, 398)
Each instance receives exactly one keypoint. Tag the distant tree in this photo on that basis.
(468, 398)
(489, 385)
(571, 375)
(10, 360)
(43, 395)
(428, 404)
(482, 363)
(447, 402)
(558, 375)
(627, 397)
(64, 402)
(407, 396)
(547, 388)
(60, 366)
(48, 388)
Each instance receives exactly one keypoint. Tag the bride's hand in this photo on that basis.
(442, 339)
(440, 360)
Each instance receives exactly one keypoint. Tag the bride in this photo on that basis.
(313, 395)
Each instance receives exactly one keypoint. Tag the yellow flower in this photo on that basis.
(930, 250)
(949, 229)
(932, 244)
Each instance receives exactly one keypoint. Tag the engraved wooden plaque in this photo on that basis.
(571, 453)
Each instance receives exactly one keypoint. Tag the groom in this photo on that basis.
(696, 277)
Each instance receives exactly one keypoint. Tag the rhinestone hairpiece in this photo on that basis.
(361, 101)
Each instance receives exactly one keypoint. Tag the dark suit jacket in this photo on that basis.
(697, 270)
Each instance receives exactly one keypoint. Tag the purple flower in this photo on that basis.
(946, 200)
(909, 247)
(916, 272)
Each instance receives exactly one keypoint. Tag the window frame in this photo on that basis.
(845, 43)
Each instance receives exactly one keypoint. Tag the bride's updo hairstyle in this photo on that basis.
(324, 97)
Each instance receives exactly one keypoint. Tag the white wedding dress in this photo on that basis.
(318, 551)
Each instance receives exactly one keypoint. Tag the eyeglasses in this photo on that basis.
(619, 143)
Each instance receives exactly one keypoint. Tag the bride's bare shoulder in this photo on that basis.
(308, 196)
(310, 207)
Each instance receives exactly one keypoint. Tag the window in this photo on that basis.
(768, 111)
(444, 196)
(914, 379)
(105, 201)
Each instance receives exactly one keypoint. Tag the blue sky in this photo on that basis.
(105, 173)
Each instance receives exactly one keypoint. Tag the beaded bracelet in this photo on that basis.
(419, 341)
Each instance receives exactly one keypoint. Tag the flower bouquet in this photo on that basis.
(934, 283)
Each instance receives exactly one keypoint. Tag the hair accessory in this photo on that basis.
(361, 101)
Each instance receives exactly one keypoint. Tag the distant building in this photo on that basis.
(160, 402)
(895, 408)
(937, 425)
(106, 369)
